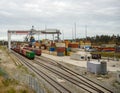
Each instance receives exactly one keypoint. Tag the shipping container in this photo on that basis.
(60, 44)
(52, 49)
(73, 45)
(60, 49)
(94, 67)
(60, 53)
(97, 67)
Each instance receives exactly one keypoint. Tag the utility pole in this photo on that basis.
(86, 32)
(72, 34)
(63, 35)
(75, 31)
(45, 30)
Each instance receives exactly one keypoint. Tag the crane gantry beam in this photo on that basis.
(31, 32)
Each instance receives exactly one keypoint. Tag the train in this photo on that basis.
(35, 50)
(27, 53)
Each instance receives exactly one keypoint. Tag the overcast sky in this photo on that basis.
(100, 16)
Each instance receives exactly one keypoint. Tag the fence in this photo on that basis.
(30, 81)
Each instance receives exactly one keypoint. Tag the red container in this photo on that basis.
(17, 50)
(52, 44)
(73, 45)
(60, 49)
(37, 51)
(24, 52)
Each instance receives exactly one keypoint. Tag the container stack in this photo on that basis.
(66, 43)
(67, 51)
(73, 47)
(45, 43)
(43, 46)
(37, 45)
(60, 49)
(52, 47)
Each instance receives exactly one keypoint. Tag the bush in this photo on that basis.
(6, 82)
(11, 90)
(2, 73)
(23, 91)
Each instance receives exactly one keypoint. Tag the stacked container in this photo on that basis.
(67, 51)
(73, 47)
(52, 47)
(43, 46)
(60, 49)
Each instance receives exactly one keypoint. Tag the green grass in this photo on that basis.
(23, 91)
(11, 90)
(8, 82)
(2, 72)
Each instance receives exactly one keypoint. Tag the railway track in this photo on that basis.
(57, 86)
(78, 79)
(65, 73)
(13, 57)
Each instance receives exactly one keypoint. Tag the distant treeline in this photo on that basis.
(103, 39)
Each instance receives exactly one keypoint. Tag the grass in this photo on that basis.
(23, 91)
(116, 84)
(13, 86)
(7, 82)
(2, 72)
(11, 90)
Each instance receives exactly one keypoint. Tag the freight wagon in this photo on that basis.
(35, 50)
(24, 52)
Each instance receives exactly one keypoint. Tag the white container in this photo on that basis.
(74, 49)
(81, 56)
(78, 56)
(60, 44)
(103, 67)
(118, 76)
(94, 67)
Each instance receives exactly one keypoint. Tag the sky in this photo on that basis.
(99, 16)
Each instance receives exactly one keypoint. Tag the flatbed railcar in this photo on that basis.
(24, 52)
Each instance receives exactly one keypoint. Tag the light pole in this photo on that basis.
(75, 31)
(86, 31)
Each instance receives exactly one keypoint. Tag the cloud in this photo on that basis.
(100, 16)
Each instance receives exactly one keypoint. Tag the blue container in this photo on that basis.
(52, 49)
(68, 49)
